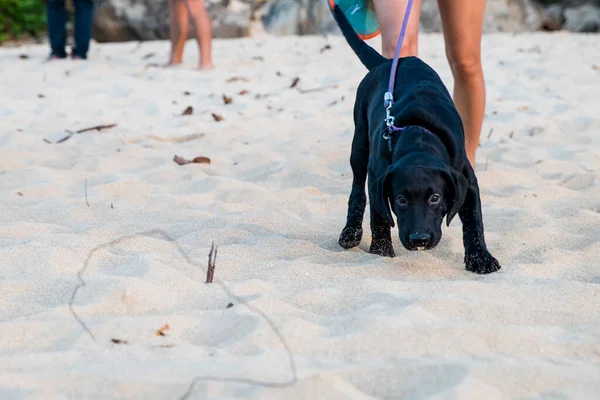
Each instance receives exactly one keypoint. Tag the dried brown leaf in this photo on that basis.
(188, 111)
(201, 160)
(163, 330)
(23, 56)
(227, 99)
(119, 341)
(229, 305)
(237, 79)
(217, 117)
(294, 82)
(243, 92)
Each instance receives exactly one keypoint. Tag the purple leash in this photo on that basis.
(388, 98)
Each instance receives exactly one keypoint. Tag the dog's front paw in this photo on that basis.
(481, 263)
(383, 249)
(350, 237)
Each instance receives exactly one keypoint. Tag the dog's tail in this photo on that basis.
(367, 55)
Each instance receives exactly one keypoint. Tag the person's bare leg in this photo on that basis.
(390, 14)
(178, 17)
(203, 28)
(462, 25)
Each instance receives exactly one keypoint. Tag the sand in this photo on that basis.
(105, 239)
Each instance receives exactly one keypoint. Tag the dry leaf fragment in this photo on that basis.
(243, 92)
(164, 330)
(217, 117)
(294, 82)
(180, 160)
(535, 195)
(119, 341)
(147, 56)
(19, 194)
(23, 56)
(325, 48)
(197, 160)
(186, 93)
(229, 305)
(227, 99)
(237, 79)
(188, 111)
(201, 160)
(278, 73)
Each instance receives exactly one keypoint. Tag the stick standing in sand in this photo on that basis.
(180, 10)
(462, 23)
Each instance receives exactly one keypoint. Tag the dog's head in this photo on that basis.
(421, 192)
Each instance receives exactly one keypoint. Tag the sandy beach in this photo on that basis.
(105, 239)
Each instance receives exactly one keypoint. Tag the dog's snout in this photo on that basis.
(419, 240)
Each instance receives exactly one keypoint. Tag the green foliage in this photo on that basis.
(21, 17)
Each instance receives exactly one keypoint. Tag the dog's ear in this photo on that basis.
(380, 195)
(457, 186)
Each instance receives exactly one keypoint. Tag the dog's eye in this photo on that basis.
(434, 199)
(402, 201)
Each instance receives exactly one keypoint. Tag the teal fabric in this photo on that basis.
(361, 15)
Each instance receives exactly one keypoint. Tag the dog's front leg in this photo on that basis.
(381, 237)
(359, 160)
(477, 257)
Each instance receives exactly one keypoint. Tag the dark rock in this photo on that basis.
(585, 18)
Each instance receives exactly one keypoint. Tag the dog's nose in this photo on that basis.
(419, 240)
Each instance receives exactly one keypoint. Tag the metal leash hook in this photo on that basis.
(388, 99)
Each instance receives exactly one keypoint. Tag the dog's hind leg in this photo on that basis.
(359, 160)
(477, 257)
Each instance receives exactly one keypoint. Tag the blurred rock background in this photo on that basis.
(123, 20)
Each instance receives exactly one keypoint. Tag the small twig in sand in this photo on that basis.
(86, 199)
(317, 89)
(212, 258)
(325, 48)
(137, 47)
(64, 139)
(294, 82)
(490, 134)
(96, 128)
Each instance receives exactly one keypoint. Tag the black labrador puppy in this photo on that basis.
(423, 170)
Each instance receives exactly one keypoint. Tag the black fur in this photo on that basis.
(427, 161)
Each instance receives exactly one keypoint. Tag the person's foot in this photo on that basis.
(54, 57)
(205, 66)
